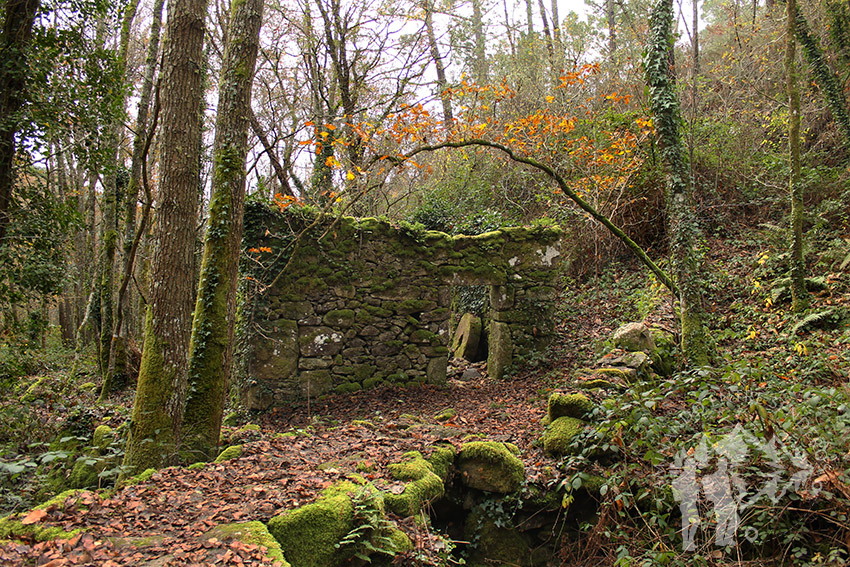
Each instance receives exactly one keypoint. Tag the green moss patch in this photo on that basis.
(12, 528)
(568, 405)
(251, 533)
(143, 476)
(558, 437)
(232, 452)
(425, 480)
(308, 535)
(490, 466)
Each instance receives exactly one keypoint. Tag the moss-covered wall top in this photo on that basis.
(340, 304)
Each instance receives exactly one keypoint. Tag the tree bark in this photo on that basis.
(442, 81)
(482, 71)
(117, 340)
(159, 404)
(211, 349)
(612, 27)
(799, 294)
(683, 230)
(14, 44)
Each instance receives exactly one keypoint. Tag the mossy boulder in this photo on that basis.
(12, 526)
(490, 466)
(445, 415)
(308, 536)
(634, 337)
(423, 484)
(230, 453)
(102, 437)
(559, 436)
(568, 405)
(88, 470)
(251, 533)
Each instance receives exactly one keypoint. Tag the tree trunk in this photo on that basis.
(799, 294)
(154, 435)
(829, 83)
(211, 347)
(481, 68)
(442, 81)
(131, 201)
(695, 41)
(115, 184)
(14, 43)
(612, 27)
(279, 171)
(683, 230)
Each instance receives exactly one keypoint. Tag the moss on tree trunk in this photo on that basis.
(685, 235)
(799, 295)
(161, 391)
(211, 348)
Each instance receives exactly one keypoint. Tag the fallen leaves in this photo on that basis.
(34, 517)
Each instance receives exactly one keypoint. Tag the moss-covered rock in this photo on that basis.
(423, 484)
(558, 437)
(308, 536)
(143, 476)
(568, 405)
(12, 527)
(466, 337)
(230, 453)
(102, 437)
(634, 337)
(251, 533)
(58, 501)
(490, 466)
(445, 415)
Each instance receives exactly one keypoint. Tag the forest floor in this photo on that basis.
(166, 520)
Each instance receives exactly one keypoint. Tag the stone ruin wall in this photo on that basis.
(363, 303)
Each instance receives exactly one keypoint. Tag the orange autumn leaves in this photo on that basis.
(562, 131)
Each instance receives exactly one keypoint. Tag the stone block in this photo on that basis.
(466, 337)
(275, 351)
(437, 369)
(319, 341)
(500, 353)
(634, 337)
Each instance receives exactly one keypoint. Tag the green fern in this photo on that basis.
(826, 318)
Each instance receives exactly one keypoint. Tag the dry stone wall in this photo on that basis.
(362, 302)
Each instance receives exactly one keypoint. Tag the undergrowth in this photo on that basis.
(743, 463)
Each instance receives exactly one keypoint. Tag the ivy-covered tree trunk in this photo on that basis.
(683, 229)
(211, 347)
(799, 295)
(19, 17)
(830, 84)
(154, 435)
